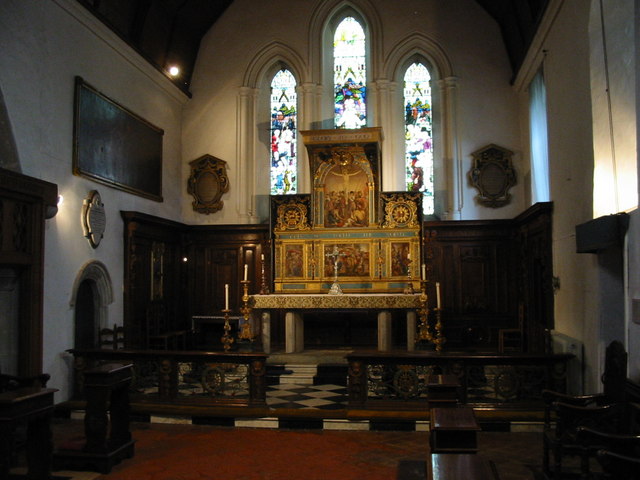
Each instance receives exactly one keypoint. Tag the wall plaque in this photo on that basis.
(114, 146)
(493, 175)
(94, 219)
(207, 182)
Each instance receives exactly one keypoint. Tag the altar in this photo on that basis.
(346, 246)
(295, 305)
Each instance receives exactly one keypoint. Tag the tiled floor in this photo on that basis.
(325, 397)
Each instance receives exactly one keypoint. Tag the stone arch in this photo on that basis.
(422, 46)
(264, 61)
(448, 159)
(94, 280)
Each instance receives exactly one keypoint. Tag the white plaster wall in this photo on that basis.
(614, 116)
(45, 44)
(487, 105)
(564, 51)
(571, 170)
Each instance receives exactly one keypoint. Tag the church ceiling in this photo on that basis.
(168, 32)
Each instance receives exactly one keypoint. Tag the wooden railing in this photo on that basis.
(379, 379)
(183, 377)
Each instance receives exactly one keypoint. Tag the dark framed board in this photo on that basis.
(114, 146)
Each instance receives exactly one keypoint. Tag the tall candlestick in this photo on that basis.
(246, 271)
(226, 296)
(424, 272)
(438, 294)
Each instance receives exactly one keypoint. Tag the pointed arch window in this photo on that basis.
(284, 164)
(349, 74)
(418, 132)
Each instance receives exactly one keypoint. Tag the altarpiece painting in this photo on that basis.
(347, 228)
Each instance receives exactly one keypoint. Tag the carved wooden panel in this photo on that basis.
(25, 204)
(495, 275)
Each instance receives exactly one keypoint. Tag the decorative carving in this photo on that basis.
(292, 214)
(157, 270)
(94, 219)
(21, 217)
(207, 182)
(401, 209)
(493, 175)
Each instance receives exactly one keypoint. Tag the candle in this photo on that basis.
(226, 296)
(409, 256)
(246, 270)
(424, 272)
(438, 294)
(262, 257)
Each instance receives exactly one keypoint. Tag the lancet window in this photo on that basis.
(283, 133)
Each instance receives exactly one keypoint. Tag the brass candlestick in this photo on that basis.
(245, 332)
(226, 339)
(425, 332)
(264, 288)
(409, 288)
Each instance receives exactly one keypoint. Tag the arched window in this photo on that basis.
(349, 74)
(284, 163)
(418, 134)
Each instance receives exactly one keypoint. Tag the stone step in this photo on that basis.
(299, 374)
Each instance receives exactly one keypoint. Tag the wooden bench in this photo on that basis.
(460, 466)
(453, 430)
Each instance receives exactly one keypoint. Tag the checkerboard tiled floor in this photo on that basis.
(326, 397)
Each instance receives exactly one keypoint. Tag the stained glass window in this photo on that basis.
(418, 129)
(349, 75)
(283, 134)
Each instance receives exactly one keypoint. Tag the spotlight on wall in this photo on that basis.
(60, 200)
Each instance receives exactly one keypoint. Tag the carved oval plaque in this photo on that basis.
(94, 219)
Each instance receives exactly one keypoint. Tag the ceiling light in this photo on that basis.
(174, 71)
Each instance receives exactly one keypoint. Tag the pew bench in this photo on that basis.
(453, 430)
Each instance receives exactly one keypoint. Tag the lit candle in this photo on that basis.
(262, 257)
(409, 256)
(424, 272)
(246, 270)
(226, 296)
(438, 294)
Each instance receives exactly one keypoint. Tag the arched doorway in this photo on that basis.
(86, 321)
(92, 293)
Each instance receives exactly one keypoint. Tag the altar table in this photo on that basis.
(294, 306)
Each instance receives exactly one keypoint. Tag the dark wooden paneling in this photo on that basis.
(198, 261)
(25, 203)
(494, 275)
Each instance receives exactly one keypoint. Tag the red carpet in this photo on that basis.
(177, 452)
